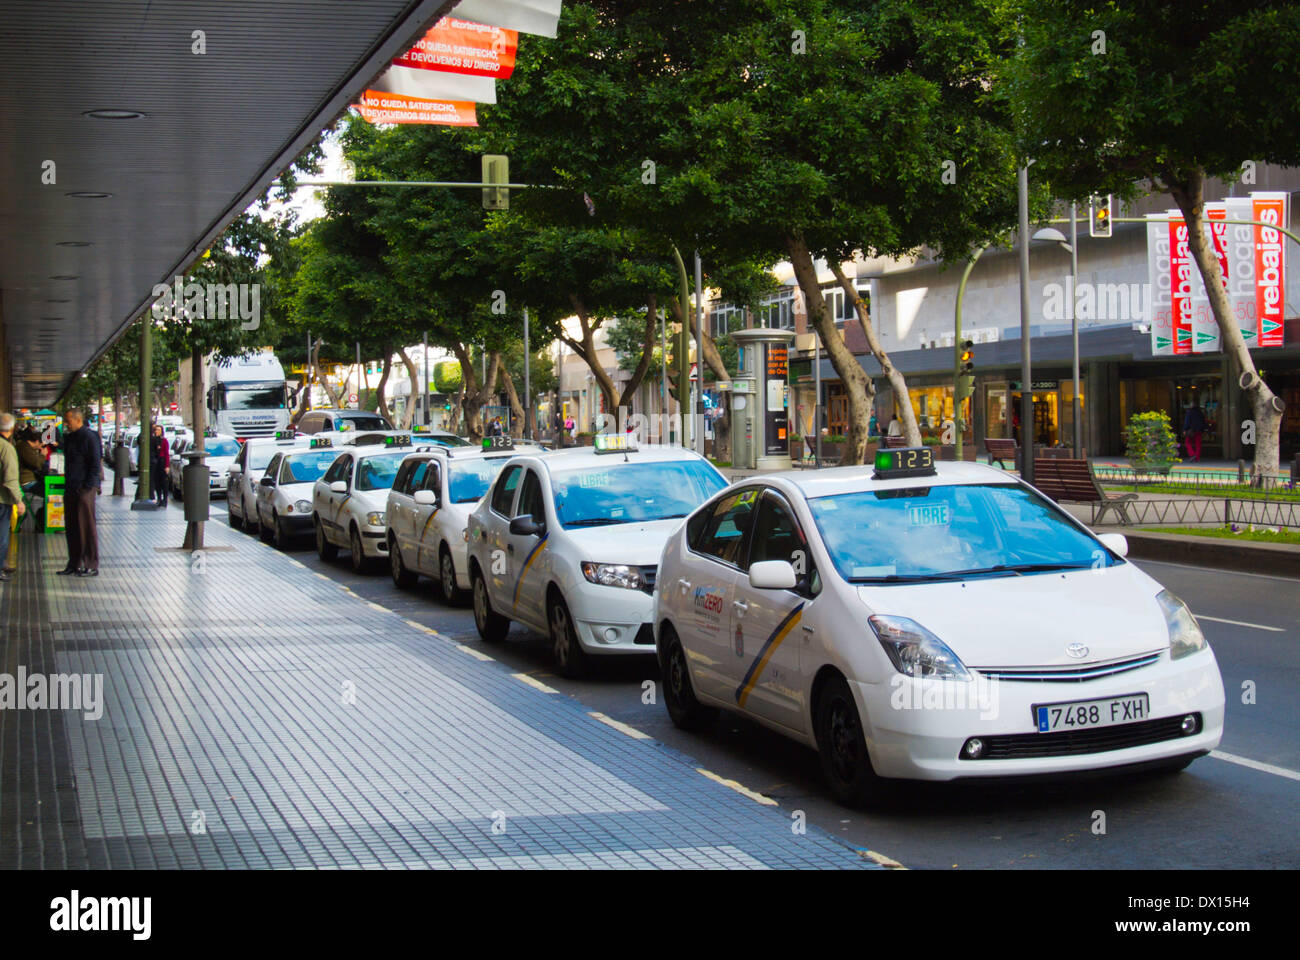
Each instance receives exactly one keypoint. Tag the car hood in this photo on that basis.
(297, 491)
(1031, 620)
(640, 544)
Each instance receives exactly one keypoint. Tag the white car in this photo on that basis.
(567, 543)
(348, 503)
(220, 451)
(428, 512)
(932, 622)
(284, 492)
(247, 469)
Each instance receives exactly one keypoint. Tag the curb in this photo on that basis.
(1272, 559)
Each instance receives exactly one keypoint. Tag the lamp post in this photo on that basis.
(1026, 372)
(1052, 235)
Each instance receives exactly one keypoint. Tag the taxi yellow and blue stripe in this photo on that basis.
(528, 562)
(766, 652)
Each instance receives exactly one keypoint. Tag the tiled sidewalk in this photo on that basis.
(258, 714)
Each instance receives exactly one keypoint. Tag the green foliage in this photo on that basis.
(446, 376)
(1151, 444)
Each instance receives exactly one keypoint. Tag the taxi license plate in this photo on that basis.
(1086, 714)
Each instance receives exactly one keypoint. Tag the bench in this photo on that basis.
(892, 443)
(1072, 481)
(1002, 449)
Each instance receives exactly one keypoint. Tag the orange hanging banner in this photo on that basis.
(379, 107)
(462, 46)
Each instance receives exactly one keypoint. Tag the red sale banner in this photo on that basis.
(462, 46)
(1270, 267)
(379, 107)
(1180, 286)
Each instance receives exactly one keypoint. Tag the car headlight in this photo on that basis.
(916, 651)
(1185, 635)
(612, 574)
(376, 519)
(303, 506)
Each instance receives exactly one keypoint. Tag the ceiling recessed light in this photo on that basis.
(64, 276)
(73, 243)
(113, 114)
(88, 195)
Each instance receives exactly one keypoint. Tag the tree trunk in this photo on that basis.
(382, 407)
(911, 430)
(586, 350)
(198, 400)
(408, 416)
(857, 385)
(473, 394)
(1189, 194)
(712, 357)
(516, 408)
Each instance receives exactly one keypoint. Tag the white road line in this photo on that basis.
(1256, 765)
(1240, 623)
(1212, 570)
(887, 862)
(619, 726)
(476, 654)
(525, 678)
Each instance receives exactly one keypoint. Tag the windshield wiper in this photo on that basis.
(1015, 569)
(593, 522)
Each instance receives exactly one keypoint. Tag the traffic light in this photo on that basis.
(496, 174)
(1099, 216)
(965, 385)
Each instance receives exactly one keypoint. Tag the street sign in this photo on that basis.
(352, 398)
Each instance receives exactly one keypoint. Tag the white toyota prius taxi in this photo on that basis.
(567, 543)
(930, 621)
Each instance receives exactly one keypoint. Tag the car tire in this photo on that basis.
(402, 578)
(357, 551)
(492, 627)
(685, 711)
(253, 524)
(326, 550)
(279, 536)
(235, 524)
(263, 532)
(447, 577)
(570, 659)
(842, 746)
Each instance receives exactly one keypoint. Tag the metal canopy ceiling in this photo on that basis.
(217, 128)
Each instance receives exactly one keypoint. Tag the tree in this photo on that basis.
(1135, 95)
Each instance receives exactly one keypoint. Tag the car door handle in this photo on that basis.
(684, 584)
(808, 629)
(510, 548)
(740, 606)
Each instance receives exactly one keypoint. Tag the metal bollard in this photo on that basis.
(194, 484)
(121, 469)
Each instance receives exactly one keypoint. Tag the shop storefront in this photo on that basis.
(1053, 424)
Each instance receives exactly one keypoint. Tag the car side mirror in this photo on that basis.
(267, 481)
(426, 498)
(235, 470)
(772, 575)
(1114, 542)
(339, 486)
(525, 526)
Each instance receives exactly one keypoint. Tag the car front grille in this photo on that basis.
(1067, 743)
(1092, 671)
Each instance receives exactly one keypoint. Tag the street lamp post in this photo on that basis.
(1026, 373)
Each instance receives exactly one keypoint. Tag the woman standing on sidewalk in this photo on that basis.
(159, 460)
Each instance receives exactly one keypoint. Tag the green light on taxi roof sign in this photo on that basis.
(905, 462)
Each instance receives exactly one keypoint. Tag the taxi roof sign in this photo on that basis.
(290, 434)
(612, 443)
(904, 462)
(321, 442)
(398, 440)
(498, 443)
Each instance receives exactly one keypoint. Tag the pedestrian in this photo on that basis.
(895, 428)
(159, 460)
(571, 428)
(83, 472)
(32, 470)
(11, 493)
(1193, 428)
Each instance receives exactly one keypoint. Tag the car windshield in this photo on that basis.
(468, 480)
(378, 472)
(259, 399)
(632, 492)
(307, 467)
(444, 439)
(216, 447)
(949, 533)
(363, 423)
(260, 456)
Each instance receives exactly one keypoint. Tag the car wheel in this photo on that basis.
(324, 549)
(263, 531)
(180, 495)
(253, 524)
(842, 746)
(401, 576)
(570, 658)
(447, 576)
(279, 536)
(492, 627)
(679, 696)
(235, 524)
(357, 551)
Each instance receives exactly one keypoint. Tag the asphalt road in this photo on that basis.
(1220, 812)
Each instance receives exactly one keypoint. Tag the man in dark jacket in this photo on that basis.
(83, 473)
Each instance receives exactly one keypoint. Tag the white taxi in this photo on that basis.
(429, 506)
(929, 621)
(567, 543)
(243, 475)
(284, 492)
(348, 503)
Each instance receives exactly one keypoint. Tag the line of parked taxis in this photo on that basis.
(906, 619)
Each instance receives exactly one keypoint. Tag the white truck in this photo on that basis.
(244, 397)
